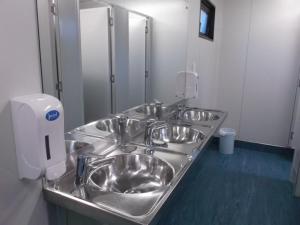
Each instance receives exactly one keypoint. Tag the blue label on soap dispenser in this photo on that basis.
(52, 115)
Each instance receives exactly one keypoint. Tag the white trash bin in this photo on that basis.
(227, 137)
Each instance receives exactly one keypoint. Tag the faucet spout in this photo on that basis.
(150, 127)
(181, 110)
(83, 161)
(122, 120)
(158, 106)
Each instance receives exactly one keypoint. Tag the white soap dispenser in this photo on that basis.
(38, 122)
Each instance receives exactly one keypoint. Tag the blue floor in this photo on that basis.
(248, 188)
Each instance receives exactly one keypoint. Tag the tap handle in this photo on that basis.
(180, 106)
(158, 104)
(83, 161)
(121, 117)
(157, 101)
(150, 122)
(180, 109)
(81, 169)
(147, 133)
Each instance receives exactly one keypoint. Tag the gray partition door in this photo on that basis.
(137, 59)
(94, 27)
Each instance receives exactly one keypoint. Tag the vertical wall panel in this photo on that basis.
(272, 72)
(137, 54)
(70, 63)
(233, 56)
(95, 62)
(121, 58)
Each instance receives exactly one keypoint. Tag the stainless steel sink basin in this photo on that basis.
(111, 125)
(178, 134)
(198, 115)
(117, 173)
(130, 174)
(76, 146)
(149, 109)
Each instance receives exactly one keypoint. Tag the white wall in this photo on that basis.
(204, 54)
(21, 202)
(232, 57)
(251, 68)
(273, 63)
(169, 39)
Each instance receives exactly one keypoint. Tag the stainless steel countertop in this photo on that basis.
(118, 208)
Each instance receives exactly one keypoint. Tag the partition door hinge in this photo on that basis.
(146, 74)
(146, 29)
(111, 21)
(59, 86)
(292, 135)
(112, 78)
(53, 8)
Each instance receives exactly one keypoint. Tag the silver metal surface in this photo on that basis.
(73, 146)
(179, 111)
(152, 109)
(179, 134)
(142, 113)
(151, 125)
(84, 162)
(131, 127)
(130, 188)
(130, 174)
(198, 115)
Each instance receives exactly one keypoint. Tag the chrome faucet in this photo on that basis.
(158, 106)
(122, 135)
(156, 101)
(180, 112)
(122, 119)
(152, 125)
(85, 163)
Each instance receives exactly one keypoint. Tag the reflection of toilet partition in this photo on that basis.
(187, 85)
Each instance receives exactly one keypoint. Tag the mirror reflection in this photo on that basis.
(114, 58)
(113, 55)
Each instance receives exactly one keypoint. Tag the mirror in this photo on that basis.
(102, 57)
(253, 54)
(114, 58)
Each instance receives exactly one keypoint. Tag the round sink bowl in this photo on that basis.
(179, 134)
(199, 115)
(108, 125)
(77, 146)
(149, 109)
(131, 174)
(111, 125)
